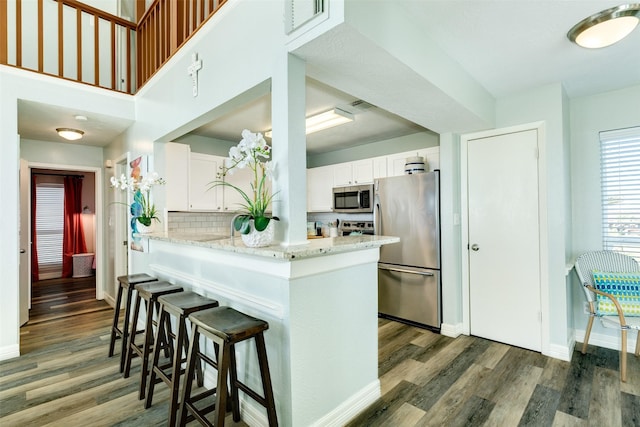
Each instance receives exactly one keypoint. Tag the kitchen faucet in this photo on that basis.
(233, 229)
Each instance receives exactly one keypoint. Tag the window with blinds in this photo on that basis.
(620, 177)
(49, 224)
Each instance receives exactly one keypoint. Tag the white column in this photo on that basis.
(289, 149)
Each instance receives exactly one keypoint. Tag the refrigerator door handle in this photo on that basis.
(403, 270)
(376, 215)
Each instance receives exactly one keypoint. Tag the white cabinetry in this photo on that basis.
(396, 162)
(380, 167)
(319, 189)
(202, 172)
(176, 174)
(351, 173)
(241, 178)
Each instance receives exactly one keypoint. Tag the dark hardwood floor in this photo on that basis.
(65, 378)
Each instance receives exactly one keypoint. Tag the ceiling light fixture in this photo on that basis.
(607, 27)
(70, 134)
(326, 120)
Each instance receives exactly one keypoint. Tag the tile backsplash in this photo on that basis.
(220, 223)
(200, 222)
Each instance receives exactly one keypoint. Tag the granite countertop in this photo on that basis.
(313, 248)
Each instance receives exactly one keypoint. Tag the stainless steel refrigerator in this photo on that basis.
(409, 286)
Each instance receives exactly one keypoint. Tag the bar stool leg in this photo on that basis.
(148, 335)
(266, 380)
(224, 359)
(191, 362)
(181, 342)
(132, 337)
(233, 380)
(125, 327)
(116, 320)
(159, 343)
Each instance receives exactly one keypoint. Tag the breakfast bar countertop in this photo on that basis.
(312, 248)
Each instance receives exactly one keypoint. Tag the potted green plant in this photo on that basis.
(142, 210)
(252, 152)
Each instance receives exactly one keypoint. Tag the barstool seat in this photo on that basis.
(225, 327)
(180, 305)
(124, 283)
(149, 292)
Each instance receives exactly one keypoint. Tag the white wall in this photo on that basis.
(589, 116)
(23, 85)
(548, 104)
(60, 153)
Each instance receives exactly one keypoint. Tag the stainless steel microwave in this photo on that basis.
(354, 199)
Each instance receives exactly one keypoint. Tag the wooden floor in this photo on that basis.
(65, 378)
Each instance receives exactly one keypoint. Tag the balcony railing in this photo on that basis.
(74, 41)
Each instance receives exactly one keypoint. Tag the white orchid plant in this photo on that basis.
(253, 152)
(142, 209)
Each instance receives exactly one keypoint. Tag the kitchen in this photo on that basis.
(527, 110)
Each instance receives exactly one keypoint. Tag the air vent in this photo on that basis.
(361, 105)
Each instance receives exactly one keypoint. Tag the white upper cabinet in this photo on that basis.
(380, 167)
(319, 189)
(241, 178)
(396, 162)
(353, 173)
(202, 172)
(175, 171)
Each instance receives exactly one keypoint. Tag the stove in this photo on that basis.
(356, 227)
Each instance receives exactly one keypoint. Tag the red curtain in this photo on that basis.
(35, 271)
(73, 234)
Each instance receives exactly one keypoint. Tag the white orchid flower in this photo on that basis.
(269, 168)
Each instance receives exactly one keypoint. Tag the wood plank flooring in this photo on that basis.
(64, 378)
(432, 380)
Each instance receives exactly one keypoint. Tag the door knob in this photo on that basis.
(475, 247)
(22, 251)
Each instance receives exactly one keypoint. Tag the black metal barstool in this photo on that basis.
(179, 305)
(225, 327)
(125, 283)
(149, 292)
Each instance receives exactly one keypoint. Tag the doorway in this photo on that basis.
(92, 205)
(502, 274)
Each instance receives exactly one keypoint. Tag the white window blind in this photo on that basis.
(620, 177)
(49, 224)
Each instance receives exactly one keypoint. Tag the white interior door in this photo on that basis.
(504, 246)
(25, 242)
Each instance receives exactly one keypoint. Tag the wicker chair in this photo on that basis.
(608, 261)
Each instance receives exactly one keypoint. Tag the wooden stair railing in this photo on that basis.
(165, 27)
(161, 31)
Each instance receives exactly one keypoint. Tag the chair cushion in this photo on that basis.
(625, 287)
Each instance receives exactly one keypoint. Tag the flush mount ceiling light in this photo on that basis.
(70, 134)
(607, 27)
(326, 120)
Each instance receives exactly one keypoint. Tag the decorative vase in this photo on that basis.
(258, 239)
(144, 229)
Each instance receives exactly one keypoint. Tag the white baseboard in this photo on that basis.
(110, 300)
(450, 330)
(611, 342)
(9, 351)
(562, 352)
(351, 407)
(254, 415)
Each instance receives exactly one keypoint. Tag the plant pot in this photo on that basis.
(144, 229)
(258, 239)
